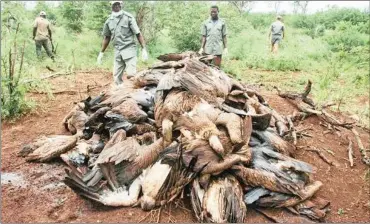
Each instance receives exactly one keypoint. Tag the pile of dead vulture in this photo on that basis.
(183, 125)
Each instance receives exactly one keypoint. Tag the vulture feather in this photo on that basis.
(221, 202)
(130, 110)
(166, 178)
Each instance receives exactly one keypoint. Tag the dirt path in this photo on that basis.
(33, 192)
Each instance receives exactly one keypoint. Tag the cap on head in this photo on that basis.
(112, 2)
(42, 13)
(278, 17)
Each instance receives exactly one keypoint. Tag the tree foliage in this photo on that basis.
(243, 6)
(72, 13)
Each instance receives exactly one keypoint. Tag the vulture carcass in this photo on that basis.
(45, 148)
(221, 202)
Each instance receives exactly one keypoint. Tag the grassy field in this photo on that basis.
(331, 48)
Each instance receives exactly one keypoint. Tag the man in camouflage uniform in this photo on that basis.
(276, 34)
(42, 34)
(121, 28)
(214, 34)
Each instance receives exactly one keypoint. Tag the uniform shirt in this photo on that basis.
(214, 31)
(122, 29)
(277, 28)
(42, 25)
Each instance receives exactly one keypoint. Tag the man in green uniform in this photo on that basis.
(276, 34)
(42, 34)
(213, 36)
(121, 28)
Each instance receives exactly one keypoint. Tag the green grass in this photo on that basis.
(336, 59)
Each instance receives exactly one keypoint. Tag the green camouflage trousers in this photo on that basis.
(45, 44)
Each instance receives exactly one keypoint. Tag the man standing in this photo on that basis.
(276, 34)
(42, 34)
(213, 36)
(121, 28)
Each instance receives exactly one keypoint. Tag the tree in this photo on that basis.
(72, 14)
(243, 6)
(275, 5)
(302, 5)
(96, 13)
(295, 7)
(49, 9)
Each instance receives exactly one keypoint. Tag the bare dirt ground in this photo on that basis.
(33, 192)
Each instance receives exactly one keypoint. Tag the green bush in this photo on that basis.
(260, 20)
(330, 17)
(185, 24)
(345, 39)
(96, 13)
(72, 14)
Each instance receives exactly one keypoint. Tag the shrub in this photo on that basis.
(346, 39)
(72, 14)
(260, 20)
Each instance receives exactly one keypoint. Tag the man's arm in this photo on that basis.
(105, 43)
(49, 31)
(141, 40)
(283, 28)
(225, 41)
(107, 36)
(204, 34)
(224, 35)
(34, 28)
(203, 41)
(136, 30)
(34, 32)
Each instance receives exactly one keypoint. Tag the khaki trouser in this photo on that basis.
(121, 65)
(45, 44)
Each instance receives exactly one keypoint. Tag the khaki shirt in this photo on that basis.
(277, 28)
(214, 31)
(122, 30)
(43, 26)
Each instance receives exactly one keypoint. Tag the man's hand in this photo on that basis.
(100, 57)
(226, 52)
(201, 51)
(144, 54)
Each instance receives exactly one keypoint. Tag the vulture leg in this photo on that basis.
(186, 133)
(246, 154)
(167, 131)
(215, 168)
